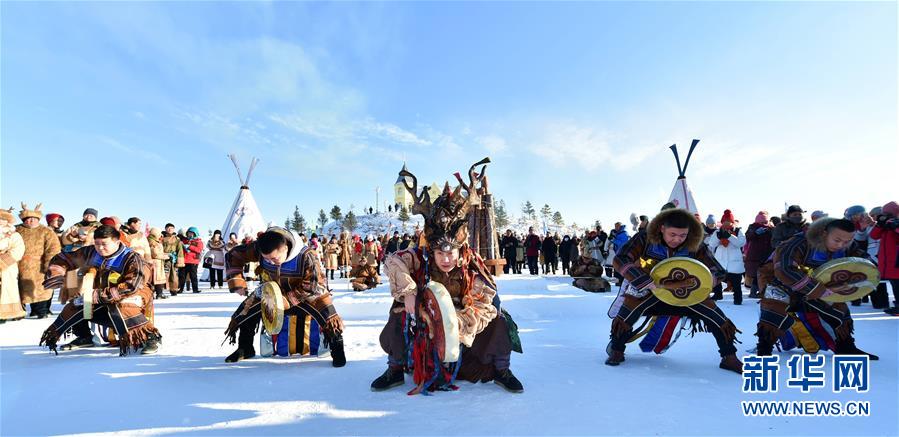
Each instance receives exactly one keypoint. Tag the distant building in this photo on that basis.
(401, 195)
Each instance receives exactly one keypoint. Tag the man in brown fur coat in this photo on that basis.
(673, 232)
(41, 244)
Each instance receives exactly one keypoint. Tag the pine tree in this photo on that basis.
(336, 215)
(557, 219)
(349, 222)
(298, 224)
(287, 223)
(545, 212)
(322, 220)
(528, 210)
(500, 215)
(403, 215)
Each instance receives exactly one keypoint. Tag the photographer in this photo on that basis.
(886, 229)
(727, 245)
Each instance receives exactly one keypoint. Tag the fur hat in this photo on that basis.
(695, 233)
(155, 233)
(446, 217)
(31, 213)
(6, 214)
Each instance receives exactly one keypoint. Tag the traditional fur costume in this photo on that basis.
(635, 260)
(364, 277)
(303, 283)
(41, 244)
(12, 248)
(121, 297)
(791, 296)
(487, 333)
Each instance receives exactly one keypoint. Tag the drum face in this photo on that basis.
(860, 274)
(437, 310)
(696, 277)
(272, 307)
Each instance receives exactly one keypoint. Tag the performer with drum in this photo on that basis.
(105, 283)
(669, 271)
(446, 321)
(811, 277)
(292, 281)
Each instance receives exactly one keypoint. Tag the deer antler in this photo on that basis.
(473, 198)
(421, 204)
(38, 206)
(24, 206)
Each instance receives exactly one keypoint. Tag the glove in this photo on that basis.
(761, 230)
(723, 235)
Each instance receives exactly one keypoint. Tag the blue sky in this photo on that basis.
(132, 107)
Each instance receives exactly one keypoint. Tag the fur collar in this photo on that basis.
(817, 232)
(694, 236)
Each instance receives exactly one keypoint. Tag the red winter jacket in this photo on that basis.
(888, 255)
(532, 245)
(192, 251)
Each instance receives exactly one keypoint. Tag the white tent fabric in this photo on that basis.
(681, 196)
(244, 218)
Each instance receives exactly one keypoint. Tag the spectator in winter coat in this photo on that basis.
(216, 256)
(332, 253)
(602, 236)
(532, 250)
(887, 231)
(727, 245)
(509, 244)
(192, 250)
(550, 254)
(12, 250)
(55, 222)
(81, 234)
(565, 254)
(758, 249)
(793, 225)
(406, 242)
(594, 246)
(232, 242)
(393, 244)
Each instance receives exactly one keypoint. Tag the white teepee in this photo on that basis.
(244, 218)
(681, 196)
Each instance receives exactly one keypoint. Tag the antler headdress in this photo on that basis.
(446, 217)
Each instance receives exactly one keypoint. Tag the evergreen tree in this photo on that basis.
(298, 224)
(403, 215)
(557, 219)
(500, 215)
(287, 223)
(349, 222)
(545, 212)
(322, 220)
(528, 210)
(336, 215)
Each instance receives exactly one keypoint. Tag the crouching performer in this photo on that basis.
(107, 284)
(446, 321)
(298, 272)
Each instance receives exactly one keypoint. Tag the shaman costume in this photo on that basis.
(305, 288)
(635, 261)
(364, 277)
(121, 298)
(792, 312)
(486, 332)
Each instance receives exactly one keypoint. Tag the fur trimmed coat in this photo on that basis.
(41, 245)
(12, 248)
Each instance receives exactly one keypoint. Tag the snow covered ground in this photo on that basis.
(187, 387)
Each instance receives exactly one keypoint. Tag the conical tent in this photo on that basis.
(244, 218)
(681, 196)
